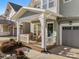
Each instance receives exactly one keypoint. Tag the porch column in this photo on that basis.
(43, 31)
(41, 6)
(13, 31)
(18, 31)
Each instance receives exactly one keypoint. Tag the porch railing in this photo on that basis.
(24, 38)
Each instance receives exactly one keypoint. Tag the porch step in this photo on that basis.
(34, 47)
(51, 46)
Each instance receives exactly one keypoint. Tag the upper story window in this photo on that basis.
(51, 3)
(66, 1)
(37, 6)
(45, 4)
(48, 3)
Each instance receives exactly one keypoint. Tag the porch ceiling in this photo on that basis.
(29, 18)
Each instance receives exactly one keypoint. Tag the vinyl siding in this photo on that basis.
(70, 8)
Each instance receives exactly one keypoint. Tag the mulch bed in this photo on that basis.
(12, 47)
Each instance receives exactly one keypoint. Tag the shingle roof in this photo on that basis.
(16, 7)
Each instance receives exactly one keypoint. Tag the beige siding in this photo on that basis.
(5, 28)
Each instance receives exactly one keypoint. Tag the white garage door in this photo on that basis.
(70, 36)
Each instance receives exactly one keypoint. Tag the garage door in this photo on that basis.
(70, 36)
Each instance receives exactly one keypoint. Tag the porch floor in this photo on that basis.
(34, 45)
(37, 46)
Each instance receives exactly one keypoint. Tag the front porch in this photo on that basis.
(38, 35)
(38, 29)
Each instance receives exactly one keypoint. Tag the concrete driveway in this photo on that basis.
(64, 51)
(61, 52)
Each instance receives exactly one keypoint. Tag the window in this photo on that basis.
(75, 27)
(67, 28)
(44, 1)
(66, 1)
(37, 5)
(51, 4)
(45, 4)
(48, 3)
(50, 29)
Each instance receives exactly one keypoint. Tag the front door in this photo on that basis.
(50, 33)
(50, 29)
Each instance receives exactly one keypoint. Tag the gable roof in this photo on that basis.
(16, 7)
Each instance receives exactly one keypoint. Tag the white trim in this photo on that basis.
(41, 6)
(50, 22)
(67, 1)
(34, 9)
(18, 31)
(62, 25)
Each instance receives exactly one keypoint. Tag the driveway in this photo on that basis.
(61, 52)
(64, 51)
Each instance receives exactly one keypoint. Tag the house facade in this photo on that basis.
(46, 23)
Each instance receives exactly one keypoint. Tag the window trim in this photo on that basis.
(67, 1)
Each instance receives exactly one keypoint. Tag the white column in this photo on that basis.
(41, 6)
(43, 31)
(32, 27)
(13, 31)
(28, 41)
(18, 31)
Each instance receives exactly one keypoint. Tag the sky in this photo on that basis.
(3, 4)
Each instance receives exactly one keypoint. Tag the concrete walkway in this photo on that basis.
(7, 38)
(37, 55)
